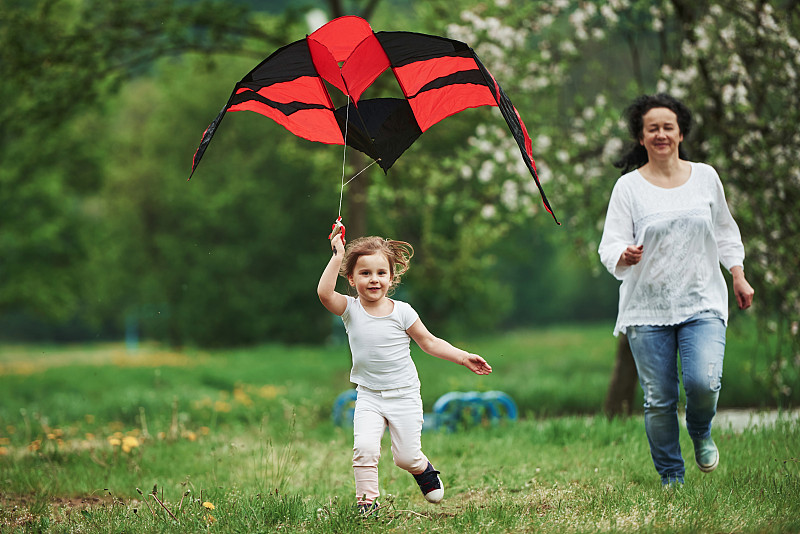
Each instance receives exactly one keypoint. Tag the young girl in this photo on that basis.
(379, 330)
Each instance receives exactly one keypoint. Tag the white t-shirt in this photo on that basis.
(380, 346)
(687, 231)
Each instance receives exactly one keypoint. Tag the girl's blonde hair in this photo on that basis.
(399, 254)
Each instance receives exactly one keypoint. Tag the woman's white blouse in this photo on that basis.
(686, 232)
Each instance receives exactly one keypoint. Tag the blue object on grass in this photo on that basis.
(344, 407)
(456, 409)
(450, 411)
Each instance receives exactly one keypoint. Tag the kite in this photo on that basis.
(437, 76)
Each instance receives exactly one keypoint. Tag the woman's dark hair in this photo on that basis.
(636, 155)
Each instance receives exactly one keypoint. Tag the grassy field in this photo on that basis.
(98, 439)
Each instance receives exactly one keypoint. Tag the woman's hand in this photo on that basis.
(631, 256)
(742, 289)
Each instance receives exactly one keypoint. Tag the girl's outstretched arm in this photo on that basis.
(442, 349)
(326, 289)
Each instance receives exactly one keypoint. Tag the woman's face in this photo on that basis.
(661, 134)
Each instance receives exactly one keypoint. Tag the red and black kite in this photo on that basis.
(438, 77)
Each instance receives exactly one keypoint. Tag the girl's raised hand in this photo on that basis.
(476, 364)
(337, 237)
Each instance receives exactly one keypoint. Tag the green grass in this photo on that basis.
(86, 432)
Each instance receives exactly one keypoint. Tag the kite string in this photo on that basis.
(344, 158)
(359, 172)
(344, 155)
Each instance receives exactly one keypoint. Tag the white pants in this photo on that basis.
(401, 411)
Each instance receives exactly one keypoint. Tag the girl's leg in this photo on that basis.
(405, 427)
(701, 341)
(654, 349)
(404, 415)
(368, 428)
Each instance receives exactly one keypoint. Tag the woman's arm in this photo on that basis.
(617, 249)
(442, 349)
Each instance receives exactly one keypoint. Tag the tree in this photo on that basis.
(734, 63)
(58, 59)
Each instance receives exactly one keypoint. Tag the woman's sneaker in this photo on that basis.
(430, 484)
(706, 454)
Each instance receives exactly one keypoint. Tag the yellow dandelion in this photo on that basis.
(210, 519)
(204, 430)
(268, 391)
(3, 451)
(5, 441)
(51, 436)
(129, 442)
(222, 406)
(114, 442)
(189, 435)
(35, 445)
(208, 506)
(241, 397)
(11, 429)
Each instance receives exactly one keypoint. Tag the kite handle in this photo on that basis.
(335, 229)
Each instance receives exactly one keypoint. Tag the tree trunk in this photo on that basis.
(354, 216)
(622, 389)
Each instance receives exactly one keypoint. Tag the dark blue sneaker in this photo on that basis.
(368, 509)
(430, 484)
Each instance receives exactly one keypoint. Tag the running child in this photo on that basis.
(379, 330)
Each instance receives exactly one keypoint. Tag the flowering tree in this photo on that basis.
(734, 63)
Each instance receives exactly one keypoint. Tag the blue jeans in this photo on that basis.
(700, 342)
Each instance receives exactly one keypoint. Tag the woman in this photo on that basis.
(667, 230)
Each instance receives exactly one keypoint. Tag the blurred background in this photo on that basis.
(103, 238)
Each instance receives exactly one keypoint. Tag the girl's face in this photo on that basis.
(661, 134)
(371, 277)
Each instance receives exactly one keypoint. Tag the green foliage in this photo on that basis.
(226, 258)
(57, 59)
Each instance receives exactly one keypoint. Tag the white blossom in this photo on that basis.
(567, 47)
(609, 14)
(510, 194)
(486, 171)
(580, 139)
(561, 4)
(544, 172)
(542, 143)
(658, 25)
(613, 147)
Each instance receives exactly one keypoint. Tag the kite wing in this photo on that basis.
(438, 78)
